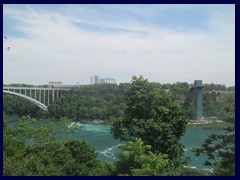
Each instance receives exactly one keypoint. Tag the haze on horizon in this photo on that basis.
(165, 43)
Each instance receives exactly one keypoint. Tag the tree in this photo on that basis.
(137, 159)
(14, 105)
(153, 116)
(221, 147)
(33, 149)
(85, 160)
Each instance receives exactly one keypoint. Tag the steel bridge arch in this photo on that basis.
(37, 103)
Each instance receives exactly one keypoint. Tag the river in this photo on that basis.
(100, 137)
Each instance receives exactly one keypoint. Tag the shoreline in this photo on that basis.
(94, 121)
(204, 121)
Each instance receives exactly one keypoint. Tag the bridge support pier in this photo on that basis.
(53, 93)
(40, 96)
(44, 97)
(48, 97)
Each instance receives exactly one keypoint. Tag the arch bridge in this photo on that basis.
(41, 97)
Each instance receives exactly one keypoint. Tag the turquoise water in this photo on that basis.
(194, 138)
(100, 137)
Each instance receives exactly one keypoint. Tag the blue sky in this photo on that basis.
(164, 43)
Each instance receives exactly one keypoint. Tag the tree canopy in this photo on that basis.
(103, 101)
(152, 115)
(33, 149)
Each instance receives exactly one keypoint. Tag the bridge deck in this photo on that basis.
(33, 88)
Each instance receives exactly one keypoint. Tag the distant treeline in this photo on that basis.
(103, 101)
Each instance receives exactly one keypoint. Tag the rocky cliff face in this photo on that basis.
(208, 96)
(213, 103)
(217, 96)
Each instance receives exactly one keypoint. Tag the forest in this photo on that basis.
(104, 101)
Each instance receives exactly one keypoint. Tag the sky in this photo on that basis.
(163, 42)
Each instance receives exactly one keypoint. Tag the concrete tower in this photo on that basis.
(198, 99)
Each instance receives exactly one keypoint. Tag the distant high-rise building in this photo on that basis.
(96, 79)
(107, 81)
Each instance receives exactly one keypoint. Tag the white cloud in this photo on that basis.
(56, 49)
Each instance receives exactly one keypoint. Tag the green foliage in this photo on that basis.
(90, 102)
(153, 116)
(215, 87)
(14, 105)
(140, 109)
(82, 151)
(85, 103)
(215, 103)
(33, 149)
(215, 98)
(137, 159)
(221, 147)
(103, 101)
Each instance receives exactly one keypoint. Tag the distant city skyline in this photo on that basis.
(165, 43)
